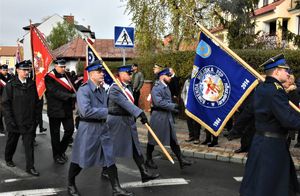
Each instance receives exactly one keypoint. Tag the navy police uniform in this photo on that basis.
(270, 169)
(122, 114)
(162, 120)
(93, 145)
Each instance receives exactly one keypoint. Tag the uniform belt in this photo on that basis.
(157, 109)
(271, 134)
(92, 120)
(119, 114)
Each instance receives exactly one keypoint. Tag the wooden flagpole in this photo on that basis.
(120, 86)
(235, 56)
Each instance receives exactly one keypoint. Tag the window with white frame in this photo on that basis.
(7, 61)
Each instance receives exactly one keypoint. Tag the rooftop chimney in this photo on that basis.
(69, 19)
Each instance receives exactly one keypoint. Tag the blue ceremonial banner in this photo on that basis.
(218, 86)
(91, 58)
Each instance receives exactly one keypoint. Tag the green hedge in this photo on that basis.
(182, 62)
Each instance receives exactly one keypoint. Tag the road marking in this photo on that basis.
(127, 170)
(16, 179)
(15, 170)
(158, 182)
(239, 179)
(2, 134)
(34, 192)
(45, 118)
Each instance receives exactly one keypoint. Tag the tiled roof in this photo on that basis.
(104, 47)
(82, 28)
(217, 29)
(268, 8)
(8, 50)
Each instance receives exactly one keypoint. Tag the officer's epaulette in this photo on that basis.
(278, 86)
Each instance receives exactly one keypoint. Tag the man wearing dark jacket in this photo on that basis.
(60, 96)
(4, 78)
(19, 103)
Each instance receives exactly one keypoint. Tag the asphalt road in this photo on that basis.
(204, 177)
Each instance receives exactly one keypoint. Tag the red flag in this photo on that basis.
(91, 40)
(85, 74)
(42, 58)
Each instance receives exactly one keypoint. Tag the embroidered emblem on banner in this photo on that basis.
(211, 87)
(38, 62)
(203, 49)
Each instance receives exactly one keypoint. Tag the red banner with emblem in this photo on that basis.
(41, 58)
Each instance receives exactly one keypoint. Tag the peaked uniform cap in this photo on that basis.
(96, 65)
(276, 61)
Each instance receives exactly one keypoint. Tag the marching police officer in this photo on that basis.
(60, 96)
(19, 103)
(93, 145)
(162, 120)
(270, 169)
(121, 120)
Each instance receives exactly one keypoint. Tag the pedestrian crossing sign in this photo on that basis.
(124, 37)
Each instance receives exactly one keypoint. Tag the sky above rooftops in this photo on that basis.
(101, 15)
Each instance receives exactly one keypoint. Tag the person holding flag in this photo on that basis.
(162, 120)
(20, 102)
(270, 169)
(93, 144)
(122, 114)
(60, 95)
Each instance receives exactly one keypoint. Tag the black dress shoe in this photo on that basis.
(104, 175)
(59, 160)
(10, 164)
(72, 190)
(43, 130)
(64, 157)
(33, 172)
(183, 163)
(205, 142)
(297, 145)
(196, 142)
(151, 164)
(212, 144)
(240, 150)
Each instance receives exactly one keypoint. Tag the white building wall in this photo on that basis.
(45, 28)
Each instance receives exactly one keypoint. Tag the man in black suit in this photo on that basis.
(20, 102)
(60, 96)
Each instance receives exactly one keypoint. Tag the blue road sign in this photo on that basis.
(124, 37)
